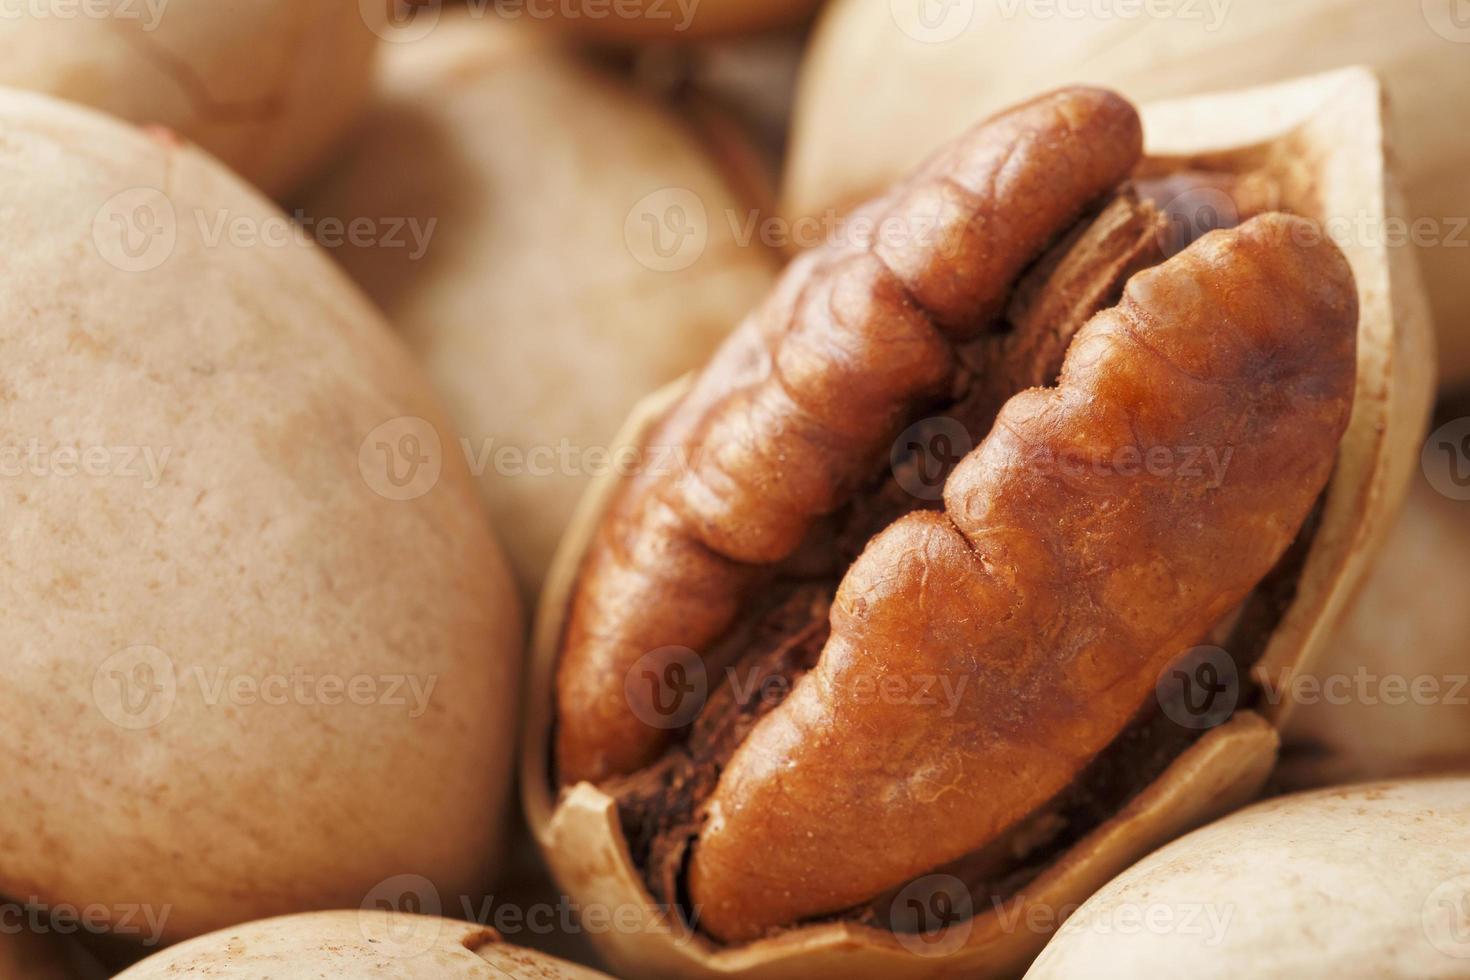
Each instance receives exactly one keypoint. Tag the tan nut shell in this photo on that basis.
(368, 944)
(1328, 130)
(975, 58)
(1358, 882)
(540, 311)
(268, 86)
(176, 716)
(1388, 698)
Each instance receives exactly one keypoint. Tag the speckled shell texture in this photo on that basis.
(1365, 881)
(260, 656)
(373, 945)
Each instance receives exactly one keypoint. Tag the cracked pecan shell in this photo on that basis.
(1054, 581)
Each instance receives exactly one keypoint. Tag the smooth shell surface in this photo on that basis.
(262, 649)
(1369, 881)
(1391, 696)
(575, 251)
(268, 86)
(942, 65)
(1329, 126)
(370, 944)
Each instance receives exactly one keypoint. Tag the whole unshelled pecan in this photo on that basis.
(1050, 585)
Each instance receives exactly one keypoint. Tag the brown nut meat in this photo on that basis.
(1054, 584)
(858, 336)
(1060, 585)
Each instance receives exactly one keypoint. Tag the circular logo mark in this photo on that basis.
(933, 21)
(400, 21)
(136, 230)
(401, 916)
(668, 230)
(1194, 214)
(135, 688)
(932, 916)
(925, 453)
(402, 459)
(1450, 19)
(1446, 459)
(667, 688)
(1446, 917)
(1200, 689)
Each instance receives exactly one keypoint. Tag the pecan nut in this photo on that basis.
(1052, 583)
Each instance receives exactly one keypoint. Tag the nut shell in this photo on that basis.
(1324, 136)
(267, 86)
(219, 703)
(1364, 881)
(367, 943)
(1389, 698)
